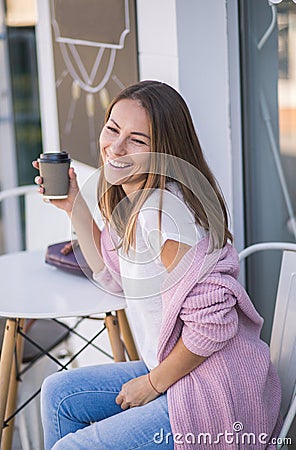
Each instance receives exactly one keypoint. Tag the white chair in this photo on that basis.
(283, 336)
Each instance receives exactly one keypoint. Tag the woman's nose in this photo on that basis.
(118, 147)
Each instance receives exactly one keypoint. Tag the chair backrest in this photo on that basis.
(45, 224)
(283, 337)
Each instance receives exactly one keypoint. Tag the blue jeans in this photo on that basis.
(79, 411)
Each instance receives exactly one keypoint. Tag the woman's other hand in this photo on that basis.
(67, 203)
(136, 392)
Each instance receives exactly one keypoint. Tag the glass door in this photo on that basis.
(286, 13)
(268, 67)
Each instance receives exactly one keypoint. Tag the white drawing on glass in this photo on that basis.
(75, 34)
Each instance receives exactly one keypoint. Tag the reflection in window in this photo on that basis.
(95, 56)
(23, 68)
(283, 28)
(287, 93)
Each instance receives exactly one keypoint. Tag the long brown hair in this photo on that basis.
(176, 156)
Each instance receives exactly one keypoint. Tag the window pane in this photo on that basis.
(23, 68)
(287, 99)
(269, 140)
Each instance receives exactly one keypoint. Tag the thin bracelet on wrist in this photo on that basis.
(150, 382)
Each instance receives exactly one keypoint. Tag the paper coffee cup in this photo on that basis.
(54, 170)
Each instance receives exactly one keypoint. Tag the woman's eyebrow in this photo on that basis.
(115, 123)
(138, 133)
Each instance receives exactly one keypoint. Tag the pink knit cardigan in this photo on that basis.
(232, 400)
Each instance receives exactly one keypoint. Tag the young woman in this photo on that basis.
(204, 377)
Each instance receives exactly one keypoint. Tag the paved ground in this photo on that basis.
(16, 445)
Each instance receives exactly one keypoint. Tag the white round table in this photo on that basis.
(32, 289)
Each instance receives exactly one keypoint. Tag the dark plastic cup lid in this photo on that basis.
(55, 157)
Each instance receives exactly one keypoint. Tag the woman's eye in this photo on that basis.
(112, 129)
(138, 141)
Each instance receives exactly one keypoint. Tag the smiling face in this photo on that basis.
(125, 145)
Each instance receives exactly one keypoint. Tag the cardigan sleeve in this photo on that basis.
(209, 318)
(109, 278)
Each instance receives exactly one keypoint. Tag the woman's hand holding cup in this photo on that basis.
(68, 201)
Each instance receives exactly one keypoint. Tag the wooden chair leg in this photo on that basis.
(6, 362)
(117, 346)
(7, 435)
(127, 335)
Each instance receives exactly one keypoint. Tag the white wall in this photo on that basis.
(46, 78)
(157, 41)
(205, 68)
(193, 45)
(203, 72)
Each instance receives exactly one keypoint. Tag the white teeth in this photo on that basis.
(119, 164)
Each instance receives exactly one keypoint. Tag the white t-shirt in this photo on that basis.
(142, 271)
